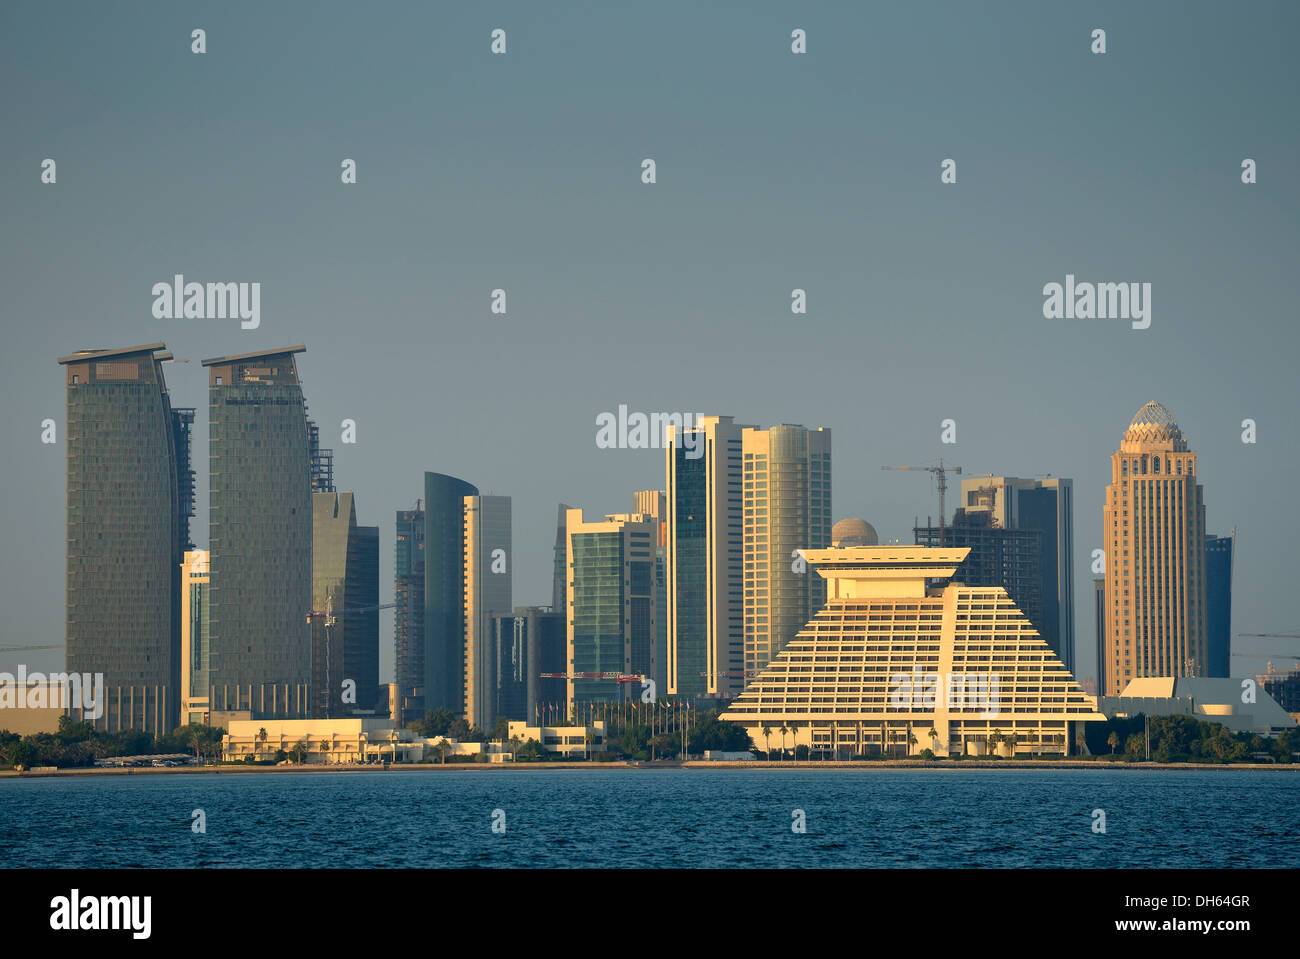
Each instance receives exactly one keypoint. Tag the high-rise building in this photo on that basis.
(194, 638)
(1099, 622)
(653, 505)
(528, 643)
(182, 429)
(893, 666)
(560, 574)
(706, 621)
(1154, 540)
(611, 606)
(127, 526)
(1046, 505)
(1218, 602)
(787, 508)
(408, 629)
(444, 591)
(260, 535)
(345, 581)
(488, 574)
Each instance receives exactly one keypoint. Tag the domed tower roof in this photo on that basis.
(854, 532)
(1154, 426)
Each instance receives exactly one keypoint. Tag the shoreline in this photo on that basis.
(994, 764)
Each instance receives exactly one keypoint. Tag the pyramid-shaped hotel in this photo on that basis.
(891, 665)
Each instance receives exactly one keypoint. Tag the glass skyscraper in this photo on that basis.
(125, 533)
(408, 629)
(260, 536)
(1218, 602)
(611, 606)
(345, 580)
(444, 591)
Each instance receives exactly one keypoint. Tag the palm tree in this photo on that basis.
(587, 739)
(911, 738)
(767, 737)
(442, 747)
(783, 730)
(1113, 741)
(996, 738)
(934, 737)
(514, 746)
(261, 738)
(1012, 738)
(300, 750)
(794, 739)
(325, 748)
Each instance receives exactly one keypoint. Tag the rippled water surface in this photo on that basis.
(660, 818)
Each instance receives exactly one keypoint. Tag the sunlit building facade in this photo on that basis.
(892, 667)
(1154, 540)
(787, 508)
(129, 496)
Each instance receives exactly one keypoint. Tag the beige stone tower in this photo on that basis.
(1154, 535)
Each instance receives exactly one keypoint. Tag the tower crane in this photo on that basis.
(330, 617)
(941, 476)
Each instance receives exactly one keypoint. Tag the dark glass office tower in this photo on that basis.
(527, 644)
(688, 602)
(1099, 615)
(124, 536)
(444, 591)
(182, 428)
(1049, 508)
(260, 535)
(345, 580)
(1218, 602)
(408, 630)
(560, 576)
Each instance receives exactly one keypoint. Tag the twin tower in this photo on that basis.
(130, 499)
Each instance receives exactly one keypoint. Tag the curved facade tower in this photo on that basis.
(444, 591)
(1154, 535)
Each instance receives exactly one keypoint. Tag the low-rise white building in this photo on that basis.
(568, 741)
(1242, 705)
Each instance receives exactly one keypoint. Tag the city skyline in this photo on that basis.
(261, 377)
(475, 173)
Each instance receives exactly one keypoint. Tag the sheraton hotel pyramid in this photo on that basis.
(892, 665)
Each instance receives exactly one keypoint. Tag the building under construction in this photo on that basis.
(1010, 558)
(1284, 686)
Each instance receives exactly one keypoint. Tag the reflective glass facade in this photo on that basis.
(260, 535)
(124, 531)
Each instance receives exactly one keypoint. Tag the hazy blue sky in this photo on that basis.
(775, 171)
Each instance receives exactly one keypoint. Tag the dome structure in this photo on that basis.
(1154, 426)
(854, 532)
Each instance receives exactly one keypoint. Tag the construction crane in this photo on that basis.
(941, 476)
(617, 677)
(1277, 636)
(330, 616)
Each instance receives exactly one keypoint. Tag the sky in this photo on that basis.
(775, 171)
